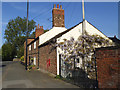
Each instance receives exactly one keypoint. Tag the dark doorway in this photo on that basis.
(60, 64)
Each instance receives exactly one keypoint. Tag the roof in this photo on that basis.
(50, 34)
(29, 40)
(108, 48)
(114, 39)
(33, 41)
(74, 31)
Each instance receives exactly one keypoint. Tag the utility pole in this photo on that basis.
(83, 33)
(27, 33)
(83, 9)
(83, 25)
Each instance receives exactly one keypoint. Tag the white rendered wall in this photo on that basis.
(57, 61)
(75, 33)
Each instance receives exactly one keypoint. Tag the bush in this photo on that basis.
(22, 58)
(30, 67)
(58, 77)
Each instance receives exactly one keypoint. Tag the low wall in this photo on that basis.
(108, 62)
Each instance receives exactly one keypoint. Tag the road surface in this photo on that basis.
(15, 76)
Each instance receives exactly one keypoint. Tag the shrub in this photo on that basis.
(22, 58)
(30, 66)
(58, 77)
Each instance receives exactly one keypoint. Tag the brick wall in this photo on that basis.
(39, 31)
(108, 62)
(58, 16)
(28, 41)
(33, 52)
(46, 56)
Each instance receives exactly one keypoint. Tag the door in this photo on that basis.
(60, 64)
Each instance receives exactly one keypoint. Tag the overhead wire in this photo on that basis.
(42, 13)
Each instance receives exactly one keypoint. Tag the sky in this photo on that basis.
(103, 15)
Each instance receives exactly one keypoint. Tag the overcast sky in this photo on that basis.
(103, 15)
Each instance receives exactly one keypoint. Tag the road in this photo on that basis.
(15, 76)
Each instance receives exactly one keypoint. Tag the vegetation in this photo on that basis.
(15, 35)
(46, 31)
(0, 51)
(22, 58)
(58, 77)
(32, 35)
(30, 67)
(8, 51)
(83, 48)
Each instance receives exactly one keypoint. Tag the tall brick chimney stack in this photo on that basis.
(58, 16)
(39, 31)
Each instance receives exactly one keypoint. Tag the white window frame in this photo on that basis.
(34, 61)
(29, 47)
(34, 45)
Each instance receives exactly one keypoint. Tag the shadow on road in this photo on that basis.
(2, 65)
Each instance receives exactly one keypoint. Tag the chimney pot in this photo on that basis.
(54, 5)
(39, 31)
(57, 5)
(114, 36)
(38, 25)
(60, 6)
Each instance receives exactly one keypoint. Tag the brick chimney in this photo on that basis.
(39, 31)
(114, 36)
(58, 16)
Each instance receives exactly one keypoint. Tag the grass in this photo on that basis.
(58, 77)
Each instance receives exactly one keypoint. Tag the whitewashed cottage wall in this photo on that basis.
(75, 33)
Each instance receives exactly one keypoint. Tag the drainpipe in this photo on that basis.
(38, 57)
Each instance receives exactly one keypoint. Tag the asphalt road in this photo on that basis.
(15, 76)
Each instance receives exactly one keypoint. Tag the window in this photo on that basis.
(34, 45)
(34, 60)
(78, 60)
(77, 64)
(30, 48)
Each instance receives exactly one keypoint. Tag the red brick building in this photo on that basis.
(32, 47)
(42, 55)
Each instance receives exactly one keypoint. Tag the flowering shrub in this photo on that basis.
(22, 58)
(84, 48)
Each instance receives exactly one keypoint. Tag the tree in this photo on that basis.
(83, 48)
(1, 54)
(32, 35)
(0, 51)
(8, 51)
(46, 30)
(15, 33)
(17, 27)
